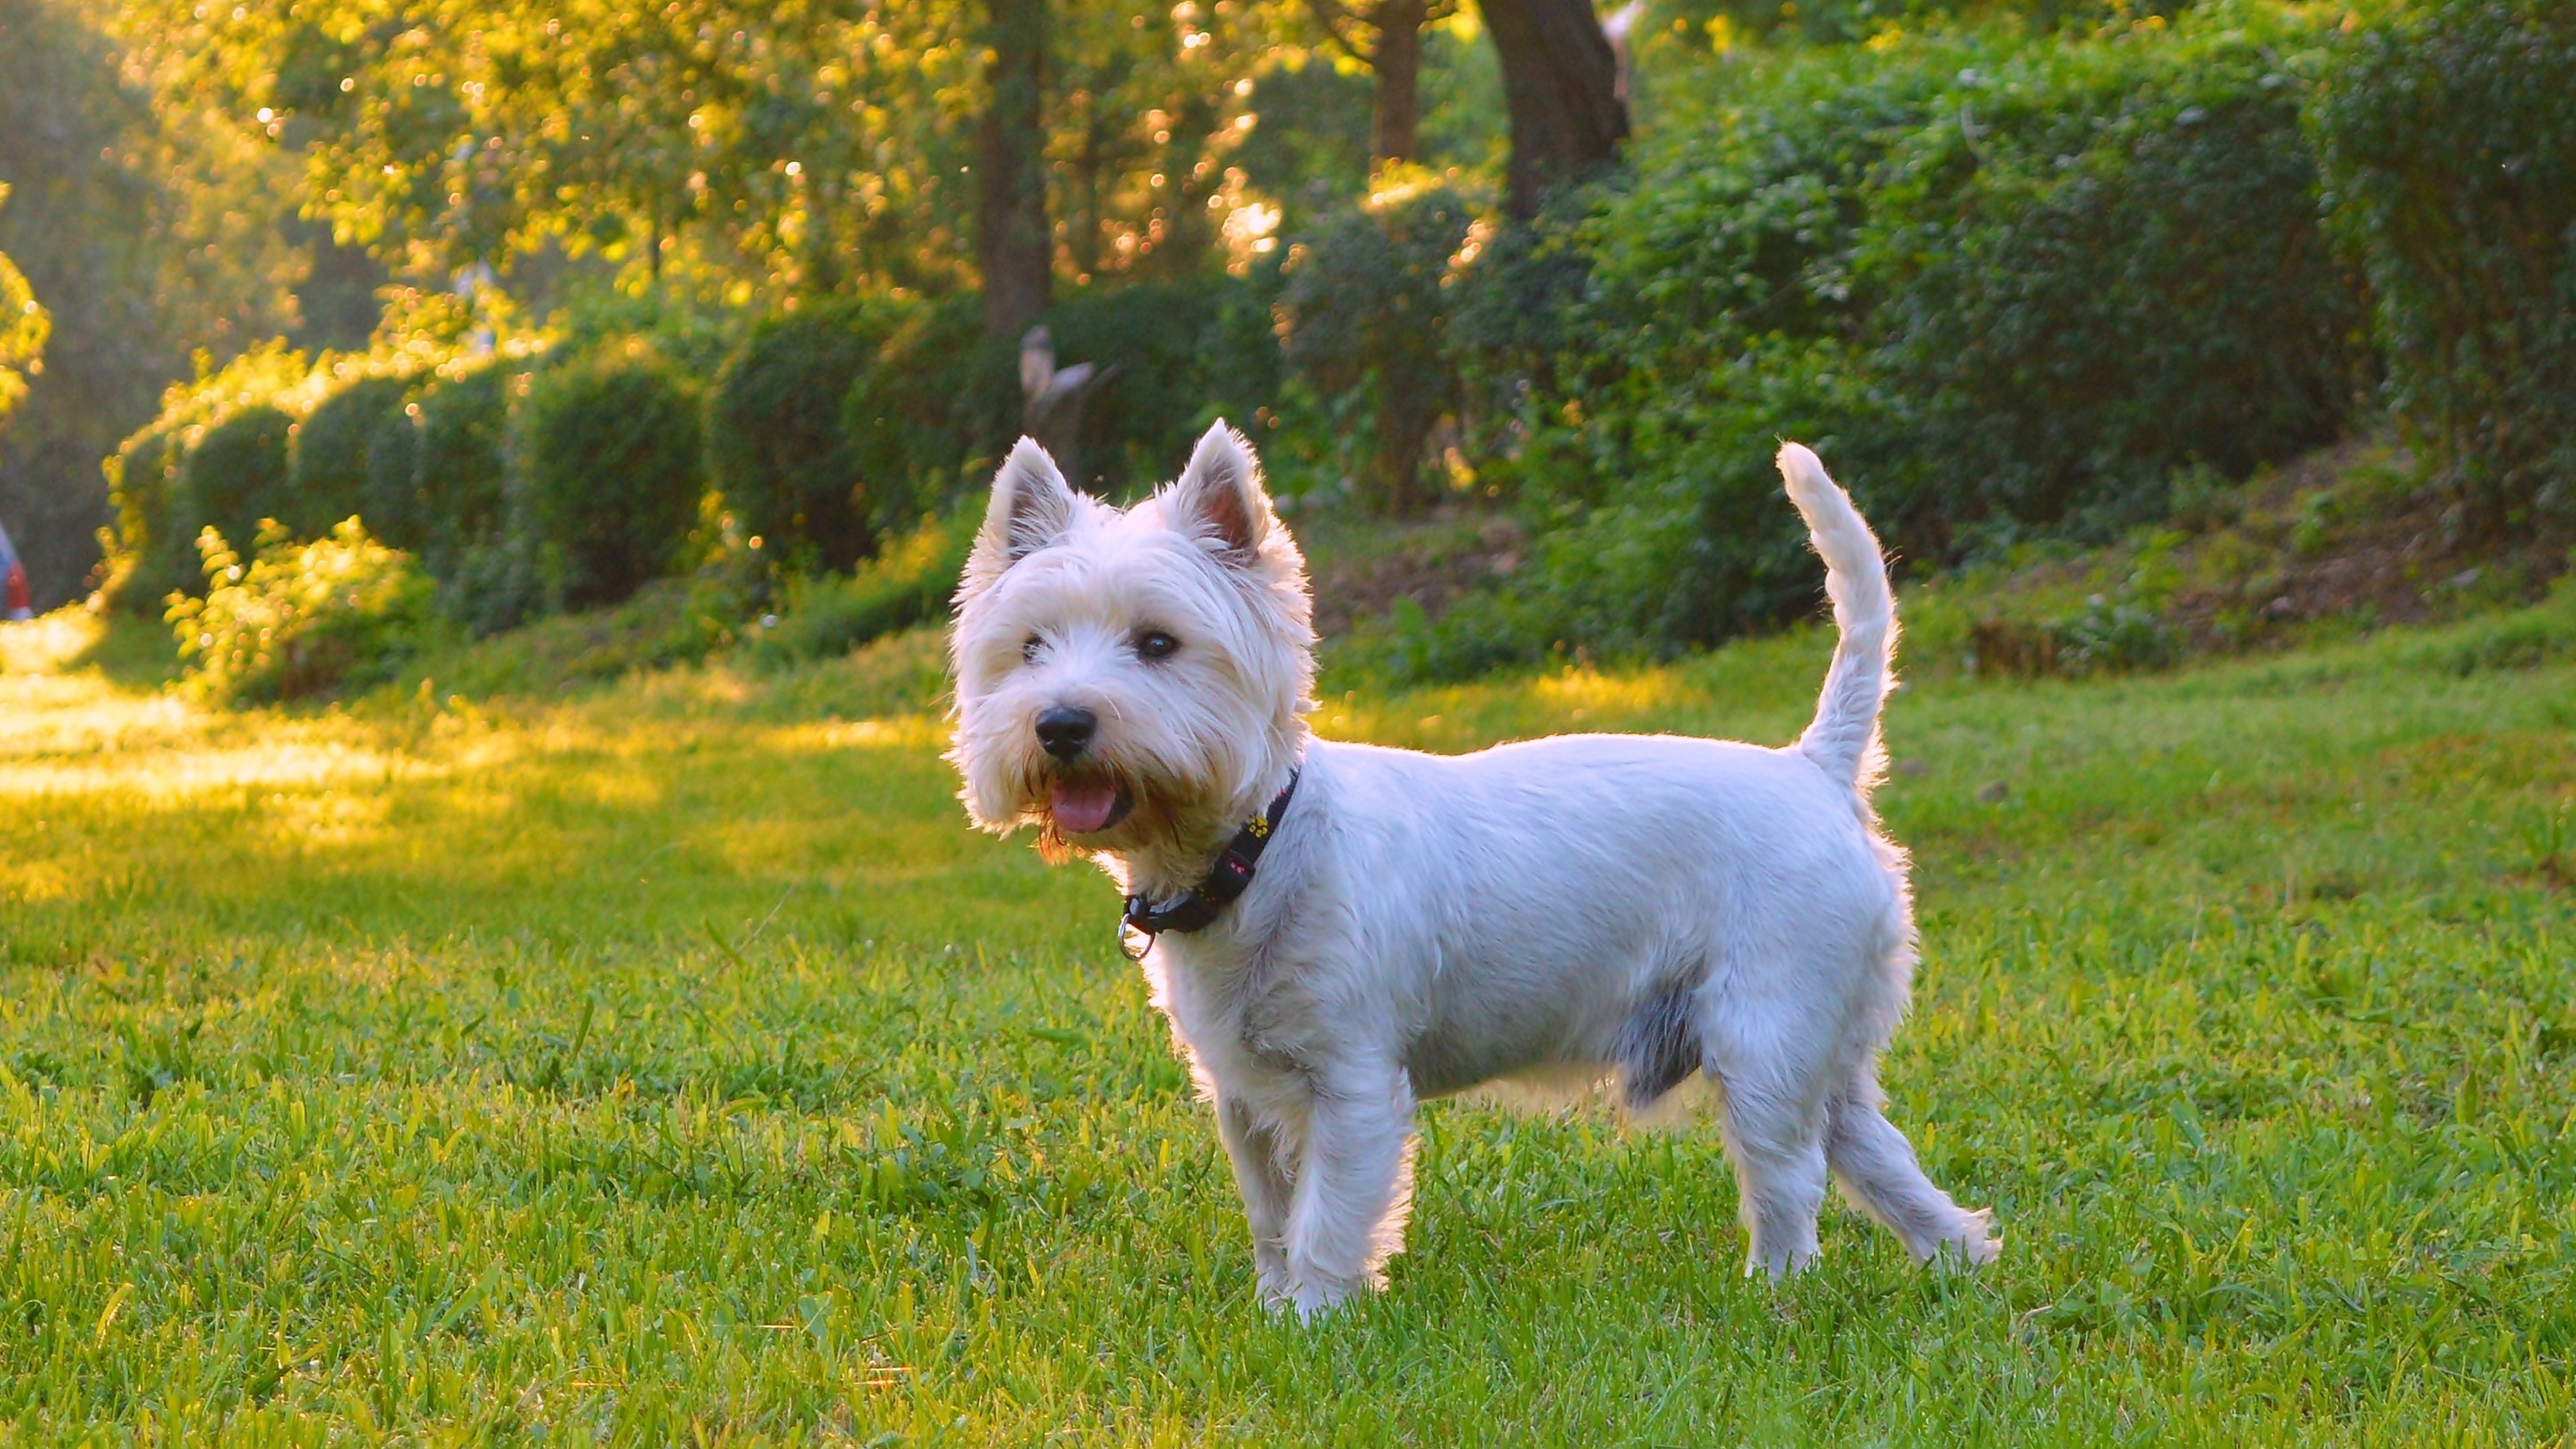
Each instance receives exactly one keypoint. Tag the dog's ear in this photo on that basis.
(1219, 495)
(1032, 507)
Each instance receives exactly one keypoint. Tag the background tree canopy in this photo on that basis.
(2033, 269)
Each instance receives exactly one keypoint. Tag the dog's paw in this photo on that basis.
(1972, 1244)
(1310, 1299)
(1780, 1265)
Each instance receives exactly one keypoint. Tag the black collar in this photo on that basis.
(1228, 879)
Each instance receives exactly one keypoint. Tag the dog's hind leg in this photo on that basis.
(1880, 1176)
(1773, 1087)
(1778, 1149)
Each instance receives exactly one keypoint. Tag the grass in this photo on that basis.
(666, 1062)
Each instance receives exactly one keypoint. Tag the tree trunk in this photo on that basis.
(1396, 118)
(1012, 243)
(1561, 81)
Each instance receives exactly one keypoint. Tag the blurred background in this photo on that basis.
(731, 307)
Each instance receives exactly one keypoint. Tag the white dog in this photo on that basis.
(1134, 683)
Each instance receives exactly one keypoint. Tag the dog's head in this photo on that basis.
(1130, 679)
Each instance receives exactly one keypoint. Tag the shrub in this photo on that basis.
(24, 326)
(1364, 315)
(909, 583)
(2121, 277)
(2005, 286)
(2449, 139)
(941, 400)
(1186, 353)
(613, 452)
(333, 466)
(236, 475)
(778, 446)
(300, 619)
(155, 554)
(460, 465)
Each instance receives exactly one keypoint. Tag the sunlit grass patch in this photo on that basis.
(667, 1060)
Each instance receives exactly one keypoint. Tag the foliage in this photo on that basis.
(777, 444)
(666, 623)
(1950, 261)
(300, 619)
(940, 398)
(2449, 140)
(735, 149)
(157, 509)
(148, 230)
(347, 449)
(154, 550)
(609, 1029)
(460, 461)
(2119, 277)
(1186, 353)
(24, 326)
(613, 466)
(906, 585)
(235, 474)
(1364, 319)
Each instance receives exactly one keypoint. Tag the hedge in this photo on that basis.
(2449, 141)
(236, 473)
(155, 532)
(612, 464)
(777, 446)
(2007, 286)
(332, 467)
(460, 461)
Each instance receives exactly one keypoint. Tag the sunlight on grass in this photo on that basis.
(455, 1069)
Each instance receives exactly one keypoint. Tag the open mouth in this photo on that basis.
(1087, 807)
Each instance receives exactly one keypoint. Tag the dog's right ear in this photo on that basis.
(1032, 507)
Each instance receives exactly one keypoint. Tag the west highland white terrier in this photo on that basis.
(1337, 931)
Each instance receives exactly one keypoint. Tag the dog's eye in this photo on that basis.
(1155, 644)
(1029, 650)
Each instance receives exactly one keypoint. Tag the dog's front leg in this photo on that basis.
(1353, 1184)
(1261, 1173)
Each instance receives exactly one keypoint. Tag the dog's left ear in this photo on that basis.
(1219, 495)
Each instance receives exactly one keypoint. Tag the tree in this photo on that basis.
(148, 231)
(1013, 244)
(23, 326)
(1387, 38)
(1561, 83)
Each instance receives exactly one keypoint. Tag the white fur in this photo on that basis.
(1637, 905)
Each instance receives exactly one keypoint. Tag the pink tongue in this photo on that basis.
(1082, 809)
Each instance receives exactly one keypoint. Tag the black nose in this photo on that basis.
(1065, 732)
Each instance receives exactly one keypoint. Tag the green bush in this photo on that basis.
(460, 464)
(908, 583)
(2006, 286)
(1365, 315)
(2449, 139)
(155, 554)
(2121, 277)
(778, 445)
(1186, 352)
(236, 474)
(333, 466)
(300, 619)
(941, 403)
(612, 460)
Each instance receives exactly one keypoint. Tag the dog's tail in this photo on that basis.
(1843, 740)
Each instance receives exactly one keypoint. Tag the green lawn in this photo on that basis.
(668, 1063)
